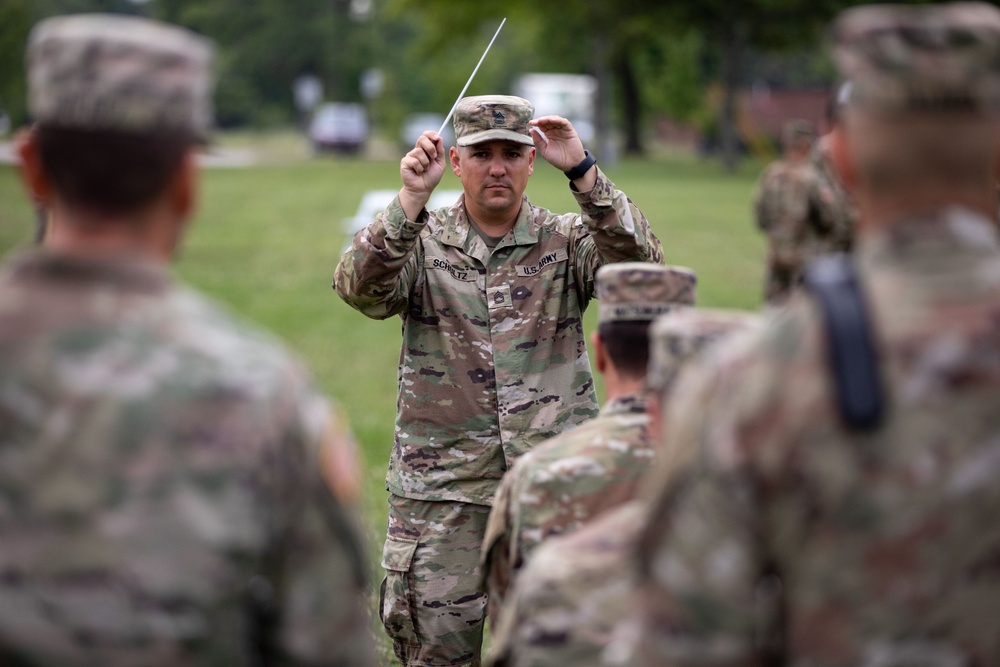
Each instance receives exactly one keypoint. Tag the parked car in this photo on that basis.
(339, 127)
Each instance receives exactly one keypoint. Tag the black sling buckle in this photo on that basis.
(852, 356)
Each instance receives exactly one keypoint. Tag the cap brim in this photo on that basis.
(495, 135)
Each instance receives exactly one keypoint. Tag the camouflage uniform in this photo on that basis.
(786, 538)
(805, 212)
(565, 481)
(164, 467)
(575, 588)
(837, 214)
(567, 599)
(493, 361)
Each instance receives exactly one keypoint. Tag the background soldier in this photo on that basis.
(491, 292)
(854, 541)
(576, 587)
(565, 481)
(162, 470)
(782, 209)
(837, 214)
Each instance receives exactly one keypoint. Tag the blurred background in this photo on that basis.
(715, 76)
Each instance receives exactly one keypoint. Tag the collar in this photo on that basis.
(457, 228)
(119, 271)
(929, 233)
(630, 404)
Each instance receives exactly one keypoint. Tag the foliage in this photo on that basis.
(651, 57)
(15, 22)
(671, 71)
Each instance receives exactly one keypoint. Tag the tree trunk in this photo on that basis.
(601, 56)
(631, 103)
(731, 52)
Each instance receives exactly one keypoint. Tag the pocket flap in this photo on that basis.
(397, 553)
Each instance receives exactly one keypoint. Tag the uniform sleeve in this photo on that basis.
(496, 561)
(311, 595)
(702, 586)
(375, 275)
(530, 630)
(612, 229)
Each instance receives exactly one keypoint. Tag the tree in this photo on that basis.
(263, 45)
(730, 26)
(15, 22)
(576, 36)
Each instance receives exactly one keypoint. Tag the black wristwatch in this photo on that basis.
(579, 170)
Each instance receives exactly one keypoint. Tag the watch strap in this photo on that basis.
(579, 170)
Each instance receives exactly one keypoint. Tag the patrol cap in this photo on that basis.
(943, 58)
(492, 117)
(110, 72)
(640, 291)
(798, 127)
(677, 336)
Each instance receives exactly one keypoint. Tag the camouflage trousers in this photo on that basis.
(431, 602)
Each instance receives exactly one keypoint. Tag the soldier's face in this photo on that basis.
(494, 174)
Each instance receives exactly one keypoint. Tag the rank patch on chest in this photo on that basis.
(554, 257)
(498, 297)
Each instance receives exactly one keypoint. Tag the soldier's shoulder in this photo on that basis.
(786, 171)
(758, 389)
(610, 534)
(550, 222)
(224, 340)
(549, 460)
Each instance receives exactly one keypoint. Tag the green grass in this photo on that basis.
(267, 238)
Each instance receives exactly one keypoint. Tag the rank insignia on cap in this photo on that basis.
(493, 118)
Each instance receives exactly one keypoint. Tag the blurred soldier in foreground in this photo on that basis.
(491, 293)
(825, 514)
(576, 587)
(565, 481)
(166, 470)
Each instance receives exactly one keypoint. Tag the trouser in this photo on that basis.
(431, 602)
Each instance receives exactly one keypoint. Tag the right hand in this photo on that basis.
(421, 170)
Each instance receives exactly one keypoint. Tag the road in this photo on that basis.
(214, 157)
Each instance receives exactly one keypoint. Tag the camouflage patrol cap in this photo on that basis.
(107, 72)
(640, 291)
(492, 117)
(676, 337)
(927, 58)
(798, 127)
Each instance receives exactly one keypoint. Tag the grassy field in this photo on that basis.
(267, 238)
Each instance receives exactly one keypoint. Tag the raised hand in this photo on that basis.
(561, 146)
(421, 170)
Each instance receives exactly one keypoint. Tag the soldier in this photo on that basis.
(576, 587)
(565, 481)
(782, 209)
(836, 504)
(836, 213)
(491, 292)
(172, 489)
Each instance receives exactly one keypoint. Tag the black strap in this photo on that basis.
(852, 357)
(579, 170)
